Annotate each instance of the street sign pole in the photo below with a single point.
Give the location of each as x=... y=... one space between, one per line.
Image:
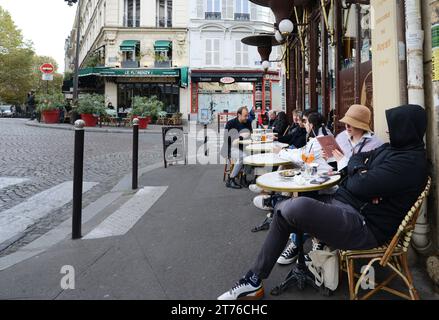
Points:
x=76 y=75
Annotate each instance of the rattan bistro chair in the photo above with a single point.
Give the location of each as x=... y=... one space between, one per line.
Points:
x=393 y=256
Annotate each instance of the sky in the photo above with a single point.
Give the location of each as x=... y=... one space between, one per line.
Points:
x=47 y=23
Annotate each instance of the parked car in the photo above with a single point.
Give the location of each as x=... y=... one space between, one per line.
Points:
x=5 y=111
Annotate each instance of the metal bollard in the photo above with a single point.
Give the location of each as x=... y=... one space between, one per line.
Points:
x=78 y=167
x=219 y=123
x=135 y=152
x=205 y=140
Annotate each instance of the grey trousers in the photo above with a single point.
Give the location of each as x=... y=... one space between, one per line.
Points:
x=335 y=223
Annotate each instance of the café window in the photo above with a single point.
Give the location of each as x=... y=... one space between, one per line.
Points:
x=350 y=36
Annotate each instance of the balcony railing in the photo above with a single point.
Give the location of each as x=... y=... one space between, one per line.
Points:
x=242 y=16
x=131 y=23
x=212 y=15
x=130 y=64
x=163 y=23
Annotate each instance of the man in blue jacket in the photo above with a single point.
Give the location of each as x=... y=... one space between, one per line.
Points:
x=379 y=189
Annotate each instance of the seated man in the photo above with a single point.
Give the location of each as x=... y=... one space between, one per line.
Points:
x=234 y=129
x=271 y=118
x=365 y=212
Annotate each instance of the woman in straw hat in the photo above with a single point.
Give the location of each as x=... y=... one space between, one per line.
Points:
x=358 y=137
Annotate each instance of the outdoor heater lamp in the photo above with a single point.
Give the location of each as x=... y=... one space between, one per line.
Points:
x=71 y=2
x=264 y=42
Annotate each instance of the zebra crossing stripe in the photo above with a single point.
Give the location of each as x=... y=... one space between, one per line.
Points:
x=123 y=219
x=23 y=215
x=7 y=181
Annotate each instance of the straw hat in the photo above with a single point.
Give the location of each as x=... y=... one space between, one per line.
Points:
x=358 y=116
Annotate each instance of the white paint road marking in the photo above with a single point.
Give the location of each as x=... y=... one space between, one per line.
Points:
x=123 y=219
x=59 y=233
x=6 y=181
x=18 y=218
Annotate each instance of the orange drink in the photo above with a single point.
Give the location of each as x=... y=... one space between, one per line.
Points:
x=263 y=138
x=304 y=157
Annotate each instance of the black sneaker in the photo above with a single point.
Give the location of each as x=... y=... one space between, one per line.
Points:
x=316 y=245
x=231 y=183
x=289 y=254
x=248 y=288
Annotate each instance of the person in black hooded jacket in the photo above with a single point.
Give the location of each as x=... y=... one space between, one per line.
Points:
x=379 y=188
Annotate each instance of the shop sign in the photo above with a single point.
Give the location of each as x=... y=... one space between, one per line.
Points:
x=227 y=80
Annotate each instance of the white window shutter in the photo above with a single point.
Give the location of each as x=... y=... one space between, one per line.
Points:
x=245 y=55
x=253 y=11
x=238 y=52
x=216 y=50
x=200 y=9
x=224 y=9
x=208 y=51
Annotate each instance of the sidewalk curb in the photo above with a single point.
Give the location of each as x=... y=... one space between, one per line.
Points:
x=89 y=129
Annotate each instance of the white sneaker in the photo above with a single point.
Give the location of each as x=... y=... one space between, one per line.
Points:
x=243 y=290
x=254 y=188
x=259 y=202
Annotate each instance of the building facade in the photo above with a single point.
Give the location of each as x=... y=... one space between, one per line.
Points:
x=133 y=47
x=178 y=50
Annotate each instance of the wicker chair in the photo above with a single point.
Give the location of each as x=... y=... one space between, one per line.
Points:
x=393 y=256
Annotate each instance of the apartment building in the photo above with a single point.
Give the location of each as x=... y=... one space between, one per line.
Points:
x=225 y=73
x=178 y=50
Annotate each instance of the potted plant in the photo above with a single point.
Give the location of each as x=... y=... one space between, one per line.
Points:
x=90 y=107
x=145 y=108
x=49 y=106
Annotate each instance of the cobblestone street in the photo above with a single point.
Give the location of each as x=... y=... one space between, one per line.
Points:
x=44 y=157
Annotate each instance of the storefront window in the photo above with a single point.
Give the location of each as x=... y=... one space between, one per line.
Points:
x=168 y=93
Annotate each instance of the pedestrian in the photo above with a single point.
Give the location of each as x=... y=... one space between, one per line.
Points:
x=31 y=104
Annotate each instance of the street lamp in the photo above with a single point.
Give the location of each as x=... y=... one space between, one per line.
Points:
x=76 y=72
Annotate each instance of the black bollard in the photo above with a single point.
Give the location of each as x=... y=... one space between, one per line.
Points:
x=78 y=167
x=135 y=152
x=205 y=140
x=219 y=123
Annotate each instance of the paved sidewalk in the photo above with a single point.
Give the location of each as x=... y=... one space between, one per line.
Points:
x=193 y=243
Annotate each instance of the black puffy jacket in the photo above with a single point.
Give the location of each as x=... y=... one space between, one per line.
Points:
x=384 y=183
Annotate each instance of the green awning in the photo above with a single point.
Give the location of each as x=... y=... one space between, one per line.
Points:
x=135 y=72
x=128 y=45
x=184 y=71
x=162 y=45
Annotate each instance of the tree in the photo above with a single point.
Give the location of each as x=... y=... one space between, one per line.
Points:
x=15 y=61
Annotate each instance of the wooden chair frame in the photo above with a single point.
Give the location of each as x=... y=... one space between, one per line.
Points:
x=393 y=256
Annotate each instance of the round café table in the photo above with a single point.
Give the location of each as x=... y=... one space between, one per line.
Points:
x=264 y=147
x=247 y=142
x=299 y=274
x=265 y=160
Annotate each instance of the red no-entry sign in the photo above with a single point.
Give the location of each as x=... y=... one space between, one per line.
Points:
x=47 y=68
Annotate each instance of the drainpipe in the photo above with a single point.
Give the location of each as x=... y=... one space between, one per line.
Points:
x=415 y=86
